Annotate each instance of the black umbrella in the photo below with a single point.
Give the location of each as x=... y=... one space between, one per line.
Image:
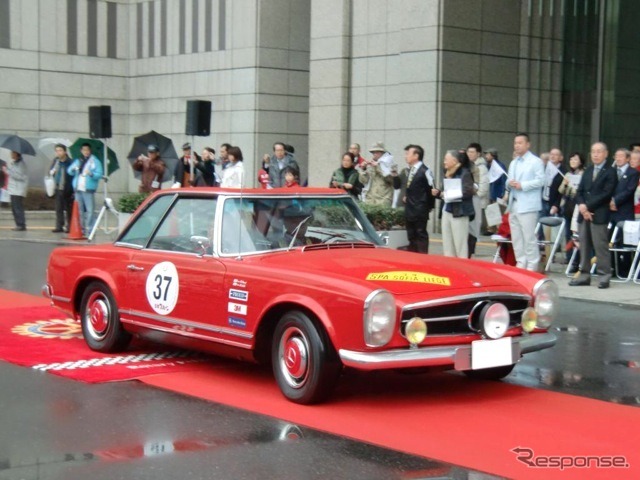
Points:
x=16 y=144
x=165 y=148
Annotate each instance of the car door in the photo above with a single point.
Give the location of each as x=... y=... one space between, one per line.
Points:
x=175 y=283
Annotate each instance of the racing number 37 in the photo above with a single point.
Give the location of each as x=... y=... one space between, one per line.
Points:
x=160 y=281
x=163 y=288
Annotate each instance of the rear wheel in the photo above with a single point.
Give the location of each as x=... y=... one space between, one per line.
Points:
x=495 y=373
x=100 y=320
x=304 y=362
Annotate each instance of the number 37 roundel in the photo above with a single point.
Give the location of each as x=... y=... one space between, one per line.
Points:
x=163 y=288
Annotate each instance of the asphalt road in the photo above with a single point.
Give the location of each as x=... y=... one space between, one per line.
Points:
x=57 y=428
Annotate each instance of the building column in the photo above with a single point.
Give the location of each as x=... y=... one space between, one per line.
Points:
x=328 y=87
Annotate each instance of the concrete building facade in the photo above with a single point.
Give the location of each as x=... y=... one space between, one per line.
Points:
x=320 y=74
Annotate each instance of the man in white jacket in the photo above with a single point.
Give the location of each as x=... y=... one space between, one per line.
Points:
x=17 y=189
x=526 y=179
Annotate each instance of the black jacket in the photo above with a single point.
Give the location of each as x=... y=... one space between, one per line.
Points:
x=68 y=179
x=179 y=170
x=554 y=193
x=207 y=170
x=463 y=208
x=623 y=195
x=596 y=194
x=419 y=198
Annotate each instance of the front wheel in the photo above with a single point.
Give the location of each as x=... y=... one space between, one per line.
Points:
x=101 y=327
x=495 y=373
x=304 y=362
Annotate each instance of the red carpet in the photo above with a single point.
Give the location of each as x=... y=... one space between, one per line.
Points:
x=441 y=416
x=41 y=337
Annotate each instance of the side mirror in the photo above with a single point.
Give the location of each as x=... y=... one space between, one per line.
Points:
x=201 y=242
x=384 y=236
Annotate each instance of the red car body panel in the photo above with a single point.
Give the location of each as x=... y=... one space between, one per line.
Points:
x=331 y=282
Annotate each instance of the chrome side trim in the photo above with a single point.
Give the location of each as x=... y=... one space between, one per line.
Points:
x=462 y=298
x=455 y=355
x=183 y=323
x=60 y=299
x=186 y=334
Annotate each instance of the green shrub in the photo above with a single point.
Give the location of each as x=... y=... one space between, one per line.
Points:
x=383 y=217
x=129 y=202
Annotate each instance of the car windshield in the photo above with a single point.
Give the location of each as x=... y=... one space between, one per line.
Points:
x=257 y=225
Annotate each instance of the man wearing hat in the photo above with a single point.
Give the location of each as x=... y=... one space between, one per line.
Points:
x=152 y=168
x=378 y=173
x=185 y=172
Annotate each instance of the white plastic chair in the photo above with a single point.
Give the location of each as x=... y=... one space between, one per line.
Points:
x=554 y=242
x=618 y=248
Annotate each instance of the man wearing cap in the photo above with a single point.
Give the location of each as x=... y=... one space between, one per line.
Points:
x=152 y=168
x=378 y=173
x=184 y=175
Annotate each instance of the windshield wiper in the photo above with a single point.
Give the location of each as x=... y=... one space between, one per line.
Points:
x=296 y=230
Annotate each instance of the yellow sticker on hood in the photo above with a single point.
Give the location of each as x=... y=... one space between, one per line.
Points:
x=415 y=277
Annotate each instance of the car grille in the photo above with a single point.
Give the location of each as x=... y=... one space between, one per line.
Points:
x=459 y=315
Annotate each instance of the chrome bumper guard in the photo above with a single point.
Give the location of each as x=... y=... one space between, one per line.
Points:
x=457 y=355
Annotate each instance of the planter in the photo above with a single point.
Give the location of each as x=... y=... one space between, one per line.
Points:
x=123 y=219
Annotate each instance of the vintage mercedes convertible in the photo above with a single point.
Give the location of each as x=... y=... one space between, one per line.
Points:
x=298 y=278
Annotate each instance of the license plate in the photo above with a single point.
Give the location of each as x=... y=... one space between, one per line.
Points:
x=491 y=353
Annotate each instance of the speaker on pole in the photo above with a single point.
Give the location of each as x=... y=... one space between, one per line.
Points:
x=100 y=121
x=198 y=118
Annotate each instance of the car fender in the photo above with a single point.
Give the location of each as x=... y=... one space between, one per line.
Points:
x=88 y=276
x=307 y=303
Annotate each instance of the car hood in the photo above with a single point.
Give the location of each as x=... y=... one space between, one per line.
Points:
x=396 y=271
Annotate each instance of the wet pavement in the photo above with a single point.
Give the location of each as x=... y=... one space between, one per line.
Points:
x=57 y=428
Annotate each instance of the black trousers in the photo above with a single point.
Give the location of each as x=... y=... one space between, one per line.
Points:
x=17 y=207
x=64 y=204
x=417 y=235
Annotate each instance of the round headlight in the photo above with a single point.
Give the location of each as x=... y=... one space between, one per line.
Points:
x=379 y=318
x=415 y=330
x=545 y=295
x=494 y=320
x=529 y=319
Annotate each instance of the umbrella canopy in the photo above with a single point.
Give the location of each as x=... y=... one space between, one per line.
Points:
x=97 y=148
x=16 y=144
x=165 y=148
x=48 y=145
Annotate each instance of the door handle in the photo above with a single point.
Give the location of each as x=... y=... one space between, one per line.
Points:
x=134 y=268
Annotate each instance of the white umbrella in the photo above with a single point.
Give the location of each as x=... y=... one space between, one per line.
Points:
x=48 y=145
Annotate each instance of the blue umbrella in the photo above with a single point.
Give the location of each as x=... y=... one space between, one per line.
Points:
x=16 y=144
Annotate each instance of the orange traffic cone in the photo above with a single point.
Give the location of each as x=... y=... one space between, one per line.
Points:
x=75 y=228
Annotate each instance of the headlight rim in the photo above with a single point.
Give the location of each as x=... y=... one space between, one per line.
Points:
x=366 y=311
x=544 y=322
x=483 y=313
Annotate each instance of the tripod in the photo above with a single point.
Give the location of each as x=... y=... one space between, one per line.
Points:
x=107 y=205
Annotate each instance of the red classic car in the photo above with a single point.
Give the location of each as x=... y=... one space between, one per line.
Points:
x=299 y=278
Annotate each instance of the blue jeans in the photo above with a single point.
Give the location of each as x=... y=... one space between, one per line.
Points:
x=86 y=206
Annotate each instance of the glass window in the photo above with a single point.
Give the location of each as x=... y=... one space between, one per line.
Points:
x=140 y=232
x=188 y=217
x=255 y=225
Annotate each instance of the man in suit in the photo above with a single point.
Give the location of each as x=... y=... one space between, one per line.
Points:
x=621 y=205
x=592 y=199
x=418 y=199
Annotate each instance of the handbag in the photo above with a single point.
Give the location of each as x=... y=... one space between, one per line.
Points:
x=50 y=186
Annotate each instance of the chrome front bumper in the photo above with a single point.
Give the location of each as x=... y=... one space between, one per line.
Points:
x=457 y=355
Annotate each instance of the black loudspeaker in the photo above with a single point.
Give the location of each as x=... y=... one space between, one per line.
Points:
x=100 y=121
x=198 y=118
